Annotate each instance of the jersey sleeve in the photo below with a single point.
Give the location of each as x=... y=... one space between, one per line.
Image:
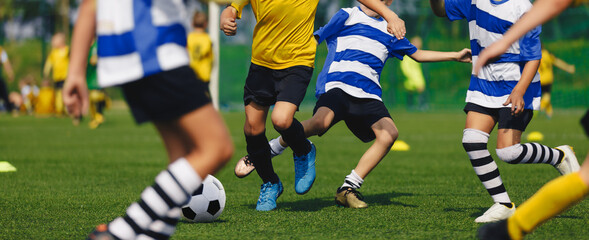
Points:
x=334 y=25
x=401 y=48
x=530 y=46
x=239 y=5
x=457 y=9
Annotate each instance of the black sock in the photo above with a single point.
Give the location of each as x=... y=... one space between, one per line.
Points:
x=296 y=139
x=258 y=150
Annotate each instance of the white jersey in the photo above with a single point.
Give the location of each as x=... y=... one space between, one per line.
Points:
x=358 y=48
x=488 y=20
x=138 y=38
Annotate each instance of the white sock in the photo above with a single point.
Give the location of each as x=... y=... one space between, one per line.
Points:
x=353 y=180
x=275 y=147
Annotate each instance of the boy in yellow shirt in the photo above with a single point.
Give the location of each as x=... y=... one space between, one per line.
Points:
x=200 y=48
x=57 y=64
x=3 y=87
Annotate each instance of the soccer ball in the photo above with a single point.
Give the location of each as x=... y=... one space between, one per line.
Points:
x=207 y=202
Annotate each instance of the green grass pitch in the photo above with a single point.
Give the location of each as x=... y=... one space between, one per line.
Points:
x=70 y=179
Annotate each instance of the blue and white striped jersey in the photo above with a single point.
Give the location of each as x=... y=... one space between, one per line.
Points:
x=358 y=47
x=138 y=38
x=488 y=20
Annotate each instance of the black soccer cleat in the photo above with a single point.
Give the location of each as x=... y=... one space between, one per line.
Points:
x=494 y=231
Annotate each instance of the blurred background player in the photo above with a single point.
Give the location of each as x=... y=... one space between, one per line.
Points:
x=414 y=81
x=560 y=193
x=45 y=104
x=200 y=47
x=344 y=93
x=505 y=94
x=160 y=87
x=29 y=92
x=283 y=55
x=57 y=65
x=3 y=86
x=547 y=78
x=97 y=95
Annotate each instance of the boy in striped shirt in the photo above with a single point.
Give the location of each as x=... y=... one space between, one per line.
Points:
x=348 y=88
x=505 y=93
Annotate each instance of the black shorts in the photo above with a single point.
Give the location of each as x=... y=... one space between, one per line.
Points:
x=58 y=84
x=359 y=114
x=503 y=116
x=546 y=88
x=585 y=122
x=266 y=86
x=166 y=95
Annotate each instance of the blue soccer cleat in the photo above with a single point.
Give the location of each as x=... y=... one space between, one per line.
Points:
x=305 y=171
x=268 y=194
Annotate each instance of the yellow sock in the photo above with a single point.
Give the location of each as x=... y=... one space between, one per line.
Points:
x=552 y=199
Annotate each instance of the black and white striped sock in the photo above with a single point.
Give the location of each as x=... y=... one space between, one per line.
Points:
x=353 y=180
x=475 y=143
x=530 y=153
x=156 y=214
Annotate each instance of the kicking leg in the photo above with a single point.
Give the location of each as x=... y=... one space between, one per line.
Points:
x=202 y=151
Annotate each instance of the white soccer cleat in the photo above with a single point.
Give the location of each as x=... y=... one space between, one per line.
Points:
x=569 y=163
x=496 y=213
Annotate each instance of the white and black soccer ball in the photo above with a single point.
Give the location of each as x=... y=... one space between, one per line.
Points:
x=207 y=202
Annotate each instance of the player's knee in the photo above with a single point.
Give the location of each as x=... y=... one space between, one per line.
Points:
x=388 y=138
x=252 y=128
x=281 y=122
x=473 y=136
x=509 y=154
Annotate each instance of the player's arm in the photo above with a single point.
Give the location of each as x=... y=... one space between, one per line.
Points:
x=396 y=26
x=516 y=98
x=434 y=56
x=47 y=67
x=559 y=63
x=7 y=66
x=229 y=15
x=75 y=90
x=438 y=7
x=542 y=11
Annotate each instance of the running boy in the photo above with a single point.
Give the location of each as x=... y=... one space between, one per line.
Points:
x=283 y=55
x=146 y=54
x=348 y=88
x=505 y=93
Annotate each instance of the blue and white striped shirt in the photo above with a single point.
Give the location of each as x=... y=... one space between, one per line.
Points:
x=138 y=38
x=488 y=20
x=358 y=47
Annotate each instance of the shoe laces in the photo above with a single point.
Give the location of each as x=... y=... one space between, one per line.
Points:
x=247 y=161
x=266 y=191
x=354 y=192
x=300 y=166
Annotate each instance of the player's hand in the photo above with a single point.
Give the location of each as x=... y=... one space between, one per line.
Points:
x=396 y=26
x=75 y=96
x=489 y=54
x=465 y=55
x=227 y=22
x=517 y=102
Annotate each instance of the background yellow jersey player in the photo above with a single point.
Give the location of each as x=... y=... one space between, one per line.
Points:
x=200 y=47
x=547 y=78
x=57 y=64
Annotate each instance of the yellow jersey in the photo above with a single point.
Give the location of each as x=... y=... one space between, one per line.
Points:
x=283 y=35
x=200 y=51
x=546 y=68
x=58 y=62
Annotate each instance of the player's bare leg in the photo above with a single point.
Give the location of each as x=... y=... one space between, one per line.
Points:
x=386 y=133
